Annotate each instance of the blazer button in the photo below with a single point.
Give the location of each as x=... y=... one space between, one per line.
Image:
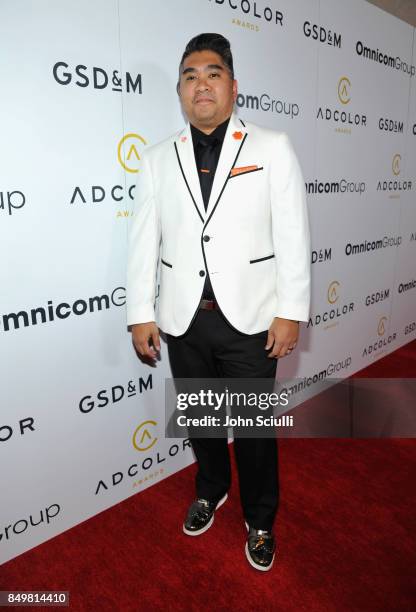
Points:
x=201 y=273
x=206 y=238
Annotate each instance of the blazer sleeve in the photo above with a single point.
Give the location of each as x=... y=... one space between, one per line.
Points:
x=291 y=236
x=143 y=250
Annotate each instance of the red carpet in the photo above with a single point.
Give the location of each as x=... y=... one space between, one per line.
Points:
x=345 y=533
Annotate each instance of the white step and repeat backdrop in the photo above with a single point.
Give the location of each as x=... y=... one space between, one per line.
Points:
x=85 y=88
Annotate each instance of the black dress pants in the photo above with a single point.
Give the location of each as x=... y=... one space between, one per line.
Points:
x=211 y=348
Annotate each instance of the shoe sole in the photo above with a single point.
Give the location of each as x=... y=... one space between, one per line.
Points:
x=208 y=525
x=250 y=560
x=258 y=567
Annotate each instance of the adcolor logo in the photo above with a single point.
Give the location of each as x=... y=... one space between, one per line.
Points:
x=331 y=317
x=128 y=151
x=379 y=345
x=144 y=437
x=394 y=187
x=252 y=8
x=343 y=119
x=344 y=86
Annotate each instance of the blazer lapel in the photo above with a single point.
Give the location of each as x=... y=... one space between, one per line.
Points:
x=233 y=141
x=187 y=167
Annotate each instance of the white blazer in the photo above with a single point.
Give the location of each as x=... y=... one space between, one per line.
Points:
x=253 y=239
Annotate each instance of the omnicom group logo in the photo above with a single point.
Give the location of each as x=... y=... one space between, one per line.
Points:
x=341 y=186
x=44 y=516
x=51 y=312
x=384 y=59
x=372 y=245
x=10 y=201
x=267 y=104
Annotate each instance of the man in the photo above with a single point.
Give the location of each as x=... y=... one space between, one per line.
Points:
x=222 y=205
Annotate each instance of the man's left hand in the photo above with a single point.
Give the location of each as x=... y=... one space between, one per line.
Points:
x=282 y=337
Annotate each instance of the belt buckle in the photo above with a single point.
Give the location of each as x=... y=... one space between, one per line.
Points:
x=208 y=304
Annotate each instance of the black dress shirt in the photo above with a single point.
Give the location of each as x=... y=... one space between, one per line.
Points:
x=207 y=149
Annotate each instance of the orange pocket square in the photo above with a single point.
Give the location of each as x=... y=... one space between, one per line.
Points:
x=235 y=171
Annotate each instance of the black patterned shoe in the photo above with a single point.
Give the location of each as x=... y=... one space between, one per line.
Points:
x=260 y=548
x=201 y=516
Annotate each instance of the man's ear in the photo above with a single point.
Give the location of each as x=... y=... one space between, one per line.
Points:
x=177 y=89
x=235 y=89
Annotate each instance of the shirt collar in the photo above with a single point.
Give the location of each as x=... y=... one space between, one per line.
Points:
x=217 y=134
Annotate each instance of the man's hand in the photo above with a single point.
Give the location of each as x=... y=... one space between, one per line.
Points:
x=283 y=336
x=141 y=334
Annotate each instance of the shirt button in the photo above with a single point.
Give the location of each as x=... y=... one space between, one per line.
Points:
x=201 y=273
x=206 y=238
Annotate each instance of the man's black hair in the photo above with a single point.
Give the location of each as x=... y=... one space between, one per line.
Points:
x=210 y=42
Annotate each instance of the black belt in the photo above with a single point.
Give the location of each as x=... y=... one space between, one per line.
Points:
x=208 y=305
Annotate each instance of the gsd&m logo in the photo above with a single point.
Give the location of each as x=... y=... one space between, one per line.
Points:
x=322 y=255
x=113 y=395
x=410 y=328
x=377 y=297
x=331 y=316
x=381 y=342
x=129 y=151
x=342 y=118
x=390 y=125
x=151 y=463
x=97 y=78
x=324 y=35
x=394 y=186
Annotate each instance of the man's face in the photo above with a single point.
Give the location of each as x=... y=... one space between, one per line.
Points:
x=206 y=90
